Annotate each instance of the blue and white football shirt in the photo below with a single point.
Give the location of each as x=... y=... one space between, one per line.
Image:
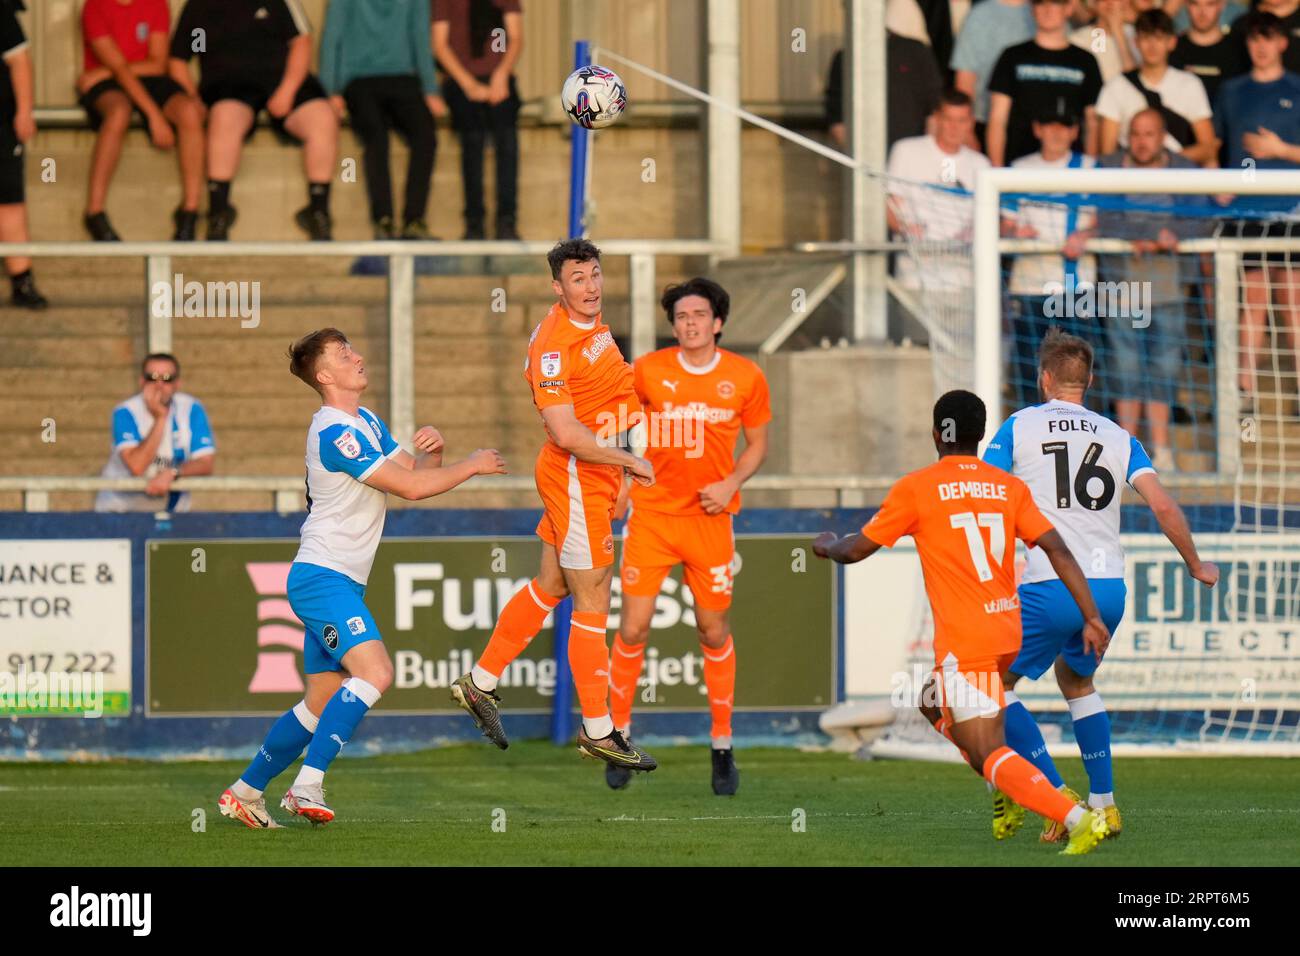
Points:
x=189 y=437
x=1072 y=459
x=345 y=516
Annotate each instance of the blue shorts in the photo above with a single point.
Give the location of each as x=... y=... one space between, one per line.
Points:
x=334 y=617
x=1053 y=624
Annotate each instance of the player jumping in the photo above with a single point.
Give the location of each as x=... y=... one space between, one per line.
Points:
x=1071 y=458
x=352 y=462
x=964 y=516
x=582 y=387
x=698 y=398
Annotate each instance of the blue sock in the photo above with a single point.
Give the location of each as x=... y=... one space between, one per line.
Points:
x=1024 y=737
x=338 y=721
x=1092 y=733
x=282 y=746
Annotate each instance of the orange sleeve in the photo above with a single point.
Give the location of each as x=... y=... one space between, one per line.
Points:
x=758 y=404
x=897 y=516
x=1030 y=522
x=638 y=380
x=550 y=365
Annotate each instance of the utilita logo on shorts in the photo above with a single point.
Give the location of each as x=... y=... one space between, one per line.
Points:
x=277 y=625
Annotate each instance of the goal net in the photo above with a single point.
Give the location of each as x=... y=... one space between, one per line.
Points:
x=1190 y=306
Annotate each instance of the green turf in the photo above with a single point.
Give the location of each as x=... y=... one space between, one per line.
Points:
x=438 y=807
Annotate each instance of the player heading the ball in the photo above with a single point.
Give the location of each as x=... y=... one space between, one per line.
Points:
x=352 y=464
x=579 y=381
x=964 y=516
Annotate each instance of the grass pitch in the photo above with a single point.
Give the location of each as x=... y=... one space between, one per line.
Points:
x=440 y=807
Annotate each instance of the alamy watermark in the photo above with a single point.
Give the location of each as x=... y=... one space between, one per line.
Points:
x=58 y=692
x=1073 y=299
x=207 y=300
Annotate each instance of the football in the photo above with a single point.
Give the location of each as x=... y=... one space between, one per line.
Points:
x=594 y=97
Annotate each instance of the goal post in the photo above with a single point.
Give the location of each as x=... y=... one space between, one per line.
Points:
x=1191 y=670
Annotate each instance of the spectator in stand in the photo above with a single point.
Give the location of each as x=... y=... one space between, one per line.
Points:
x=1041 y=282
x=989 y=28
x=376 y=59
x=125 y=71
x=1110 y=37
x=1176 y=94
x=1258 y=116
x=255 y=55
x=1145 y=349
x=1045 y=74
x=935 y=214
x=160 y=433
x=1288 y=12
x=1206 y=49
x=477 y=44
x=17 y=127
x=913 y=87
x=1229 y=10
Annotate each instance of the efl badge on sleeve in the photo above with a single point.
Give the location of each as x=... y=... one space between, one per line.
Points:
x=550 y=364
x=348 y=445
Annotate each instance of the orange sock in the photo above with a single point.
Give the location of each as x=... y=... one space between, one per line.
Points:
x=1024 y=783
x=624 y=668
x=589 y=662
x=518 y=624
x=720 y=680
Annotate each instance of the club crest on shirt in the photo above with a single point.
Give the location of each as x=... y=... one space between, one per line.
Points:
x=348 y=445
x=550 y=364
x=726 y=389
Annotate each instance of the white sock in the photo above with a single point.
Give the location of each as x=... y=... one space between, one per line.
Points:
x=244 y=792
x=482 y=679
x=1075 y=815
x=721 y=743
x=598 y=727
x=309 y=777
x=1100 y=800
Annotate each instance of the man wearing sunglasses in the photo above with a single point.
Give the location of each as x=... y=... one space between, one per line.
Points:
x=160 y=433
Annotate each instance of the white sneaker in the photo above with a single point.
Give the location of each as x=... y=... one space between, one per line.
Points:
x=309 y=802
x=251 y=813
x=1164 y=461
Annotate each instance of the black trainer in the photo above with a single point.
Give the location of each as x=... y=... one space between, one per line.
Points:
x=384 y=228
x=506 y=230
x=187 y=225
x=482 y=706
x=26 y=295
x=726 y=778
x=315 y=222
x=100 y=229
x=219 y=223
x=474 y=231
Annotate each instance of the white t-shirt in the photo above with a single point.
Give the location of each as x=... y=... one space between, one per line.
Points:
x=1031 y=274
x=1179 y=90
x=1074 y=462
x=1099 y=43
x=345 y=516
x=944 y=211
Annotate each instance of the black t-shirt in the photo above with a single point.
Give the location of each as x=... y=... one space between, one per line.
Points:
x=1213 y=64
x=1035 y=78
x=914 y=86
x=11 y=40
x=244 y=40
x=1290 y=26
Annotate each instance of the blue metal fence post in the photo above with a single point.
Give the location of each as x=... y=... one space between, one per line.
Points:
x=561 y=710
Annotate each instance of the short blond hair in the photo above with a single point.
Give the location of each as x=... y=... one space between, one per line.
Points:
x=1067 y=357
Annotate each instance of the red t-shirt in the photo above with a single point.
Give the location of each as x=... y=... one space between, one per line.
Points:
x=129 y=24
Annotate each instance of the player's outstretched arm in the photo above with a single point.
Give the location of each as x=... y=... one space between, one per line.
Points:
x=415 y=484
x=1173 y=523
x=849 y=549
x=1096 y=636
x=580 y=442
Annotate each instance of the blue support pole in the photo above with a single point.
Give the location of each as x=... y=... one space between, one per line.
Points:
x=562 y=706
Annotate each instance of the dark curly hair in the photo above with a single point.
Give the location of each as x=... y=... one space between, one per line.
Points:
x=716 y=295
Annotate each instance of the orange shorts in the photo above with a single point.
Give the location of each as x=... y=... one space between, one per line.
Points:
x=578 y=500
x=972 y=686
x=654 y=543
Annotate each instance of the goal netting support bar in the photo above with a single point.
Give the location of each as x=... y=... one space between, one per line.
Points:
x=1191 y=300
